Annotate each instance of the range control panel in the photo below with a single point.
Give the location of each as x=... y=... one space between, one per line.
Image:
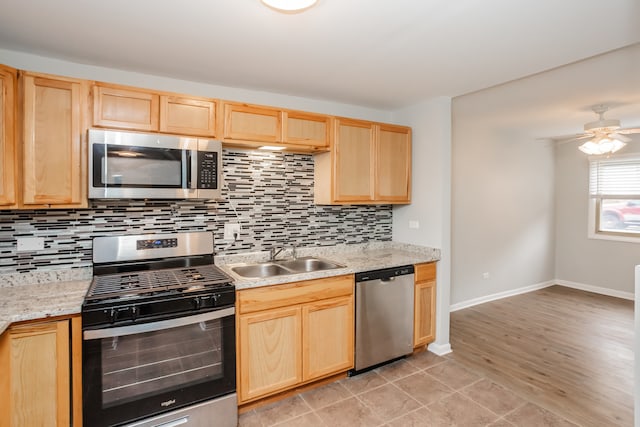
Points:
x=156 y=243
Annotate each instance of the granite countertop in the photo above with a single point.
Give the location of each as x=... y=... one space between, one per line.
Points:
x=355 y=258
x=38 y=295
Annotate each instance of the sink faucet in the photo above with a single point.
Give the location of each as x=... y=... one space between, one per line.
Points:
x=274 y=251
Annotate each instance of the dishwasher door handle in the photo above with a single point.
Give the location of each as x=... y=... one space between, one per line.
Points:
x=388 y=279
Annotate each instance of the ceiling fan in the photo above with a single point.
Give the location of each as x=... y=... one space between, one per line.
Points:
x=604 y=136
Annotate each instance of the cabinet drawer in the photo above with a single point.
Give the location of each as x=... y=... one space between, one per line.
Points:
x=425 y=272
x=266 y=297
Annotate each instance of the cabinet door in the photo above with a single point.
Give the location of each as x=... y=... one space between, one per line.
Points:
x=270 y=346
x=327 y=337
x=354 y=166
x=35 y=375
x=251 y=123
x=7 y=136
x=424 y=304
x=309 y=130
x=125 y=108
x=393 y=164
x=187 y=116
x=53 y=154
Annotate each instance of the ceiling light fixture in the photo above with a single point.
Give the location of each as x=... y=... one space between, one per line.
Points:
x=601 y=145
x=290 y=6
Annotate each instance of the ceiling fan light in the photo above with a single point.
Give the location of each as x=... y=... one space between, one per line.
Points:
x=590 y=148
x=290 y=6
x=617 y=144
x=600 y=145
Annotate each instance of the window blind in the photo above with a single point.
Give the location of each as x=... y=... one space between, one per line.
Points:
x=615 y=177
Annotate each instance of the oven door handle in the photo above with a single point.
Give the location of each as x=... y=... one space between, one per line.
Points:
x=120 y=331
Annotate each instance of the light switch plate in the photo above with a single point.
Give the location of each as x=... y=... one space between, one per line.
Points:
x=24 y=244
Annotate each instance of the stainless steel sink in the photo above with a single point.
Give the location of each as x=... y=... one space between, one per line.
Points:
x=308 y=264
x=283 y=267
x=260 y=270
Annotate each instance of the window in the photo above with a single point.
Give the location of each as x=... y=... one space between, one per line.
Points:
x=614 y=190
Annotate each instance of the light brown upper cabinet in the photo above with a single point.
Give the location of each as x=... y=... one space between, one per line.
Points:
x=393 y=164
x=252 y=126
x=148 y=111
x=125 y=108
x=8 y=79
x=370 y=163
x=187 y=116
x=307 y=130
x=53 y=141
x=251 y=123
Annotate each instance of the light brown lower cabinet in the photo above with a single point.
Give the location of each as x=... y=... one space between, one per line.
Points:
x=424 y=329
x=38 y=375
x=270 y=347
x=293 y=334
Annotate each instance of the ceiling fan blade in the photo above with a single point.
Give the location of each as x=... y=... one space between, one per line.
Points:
x=628 y=131
x=619 y=137
x=569 y=138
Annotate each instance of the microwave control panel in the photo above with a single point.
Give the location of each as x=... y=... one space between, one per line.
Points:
x=207 y=170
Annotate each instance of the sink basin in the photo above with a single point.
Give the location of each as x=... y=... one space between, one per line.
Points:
x=260 y=270
x=283 y=267
x=308 y=264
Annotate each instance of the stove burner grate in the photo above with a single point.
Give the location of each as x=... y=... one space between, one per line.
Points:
x=129 y=285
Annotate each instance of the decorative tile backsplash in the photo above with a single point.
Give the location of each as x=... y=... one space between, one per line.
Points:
x=269 y=193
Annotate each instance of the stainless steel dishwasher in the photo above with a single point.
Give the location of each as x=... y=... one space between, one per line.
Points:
x=384 y=316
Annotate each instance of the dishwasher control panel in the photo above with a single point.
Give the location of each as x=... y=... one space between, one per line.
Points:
x=384 y=273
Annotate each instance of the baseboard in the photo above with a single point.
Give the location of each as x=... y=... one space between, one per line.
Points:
x=500 y=295
x=439 y=349
x=596 y=289
x=524 y=290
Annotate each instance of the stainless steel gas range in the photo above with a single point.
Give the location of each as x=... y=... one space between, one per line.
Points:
x=158 y=327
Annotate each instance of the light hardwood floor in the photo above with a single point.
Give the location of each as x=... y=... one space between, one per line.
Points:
x=568 y=351
x=551 y=358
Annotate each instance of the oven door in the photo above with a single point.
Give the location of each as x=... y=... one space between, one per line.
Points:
x=134 y=372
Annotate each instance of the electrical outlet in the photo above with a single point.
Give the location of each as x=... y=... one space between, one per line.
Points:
x=414 y=224
x=24 y=244
x=486 y=275
x=231 y=229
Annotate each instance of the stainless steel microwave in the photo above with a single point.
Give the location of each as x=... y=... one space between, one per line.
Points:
x=130 y=165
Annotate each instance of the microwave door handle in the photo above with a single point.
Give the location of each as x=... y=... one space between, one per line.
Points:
x=120 y=331
x=192 y=169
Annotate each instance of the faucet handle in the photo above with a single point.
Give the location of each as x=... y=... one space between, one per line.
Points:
x=294 y=255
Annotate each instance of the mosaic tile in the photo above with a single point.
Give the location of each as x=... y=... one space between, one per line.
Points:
x=269 y=194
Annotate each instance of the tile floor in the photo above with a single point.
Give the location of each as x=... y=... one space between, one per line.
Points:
x=422 y=390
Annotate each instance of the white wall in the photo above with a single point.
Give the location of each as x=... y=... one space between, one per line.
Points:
x=505 y=175
x=430 y=198
x=592 y=262
x=503 y=212
x=42 y=64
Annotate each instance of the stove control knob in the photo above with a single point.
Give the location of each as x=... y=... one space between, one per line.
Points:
x=197 y=303
x=134 y=312
x=112 y=314
x=215 y=298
